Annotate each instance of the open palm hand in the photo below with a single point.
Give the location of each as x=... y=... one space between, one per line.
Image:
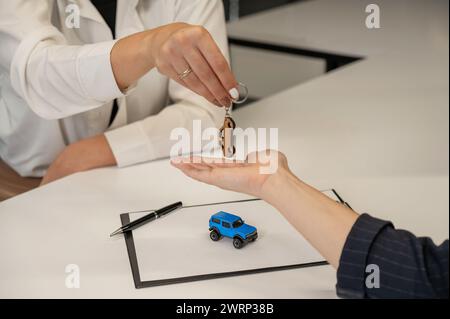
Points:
x=247 y=176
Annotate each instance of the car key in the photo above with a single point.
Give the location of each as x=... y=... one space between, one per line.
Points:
x=226 y=131
x=226 y=134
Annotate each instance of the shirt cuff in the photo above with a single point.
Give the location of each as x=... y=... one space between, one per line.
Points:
x=351 y=274
x=130 y=145
x=95 y=72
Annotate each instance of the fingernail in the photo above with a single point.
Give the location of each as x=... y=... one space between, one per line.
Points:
x=234 y=93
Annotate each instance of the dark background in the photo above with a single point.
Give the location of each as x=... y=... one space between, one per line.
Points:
x=247 y=7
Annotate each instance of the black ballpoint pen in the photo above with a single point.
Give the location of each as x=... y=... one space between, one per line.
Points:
x=147 y=218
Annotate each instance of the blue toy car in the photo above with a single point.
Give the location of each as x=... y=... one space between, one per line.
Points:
x=224 y=224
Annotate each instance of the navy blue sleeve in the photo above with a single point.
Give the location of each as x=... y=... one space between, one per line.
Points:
x=379 y=261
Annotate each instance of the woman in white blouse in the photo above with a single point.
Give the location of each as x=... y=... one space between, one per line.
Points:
x=61 y=71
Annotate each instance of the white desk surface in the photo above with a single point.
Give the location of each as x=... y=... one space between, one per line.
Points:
x=339 y=26
x=376 y=130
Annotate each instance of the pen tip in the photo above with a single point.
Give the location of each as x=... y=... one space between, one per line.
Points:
x=114 y=233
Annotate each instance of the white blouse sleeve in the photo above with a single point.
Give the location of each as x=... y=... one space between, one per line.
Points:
x=55 y=79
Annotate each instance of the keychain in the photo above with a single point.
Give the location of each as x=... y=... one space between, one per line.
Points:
x=226 y=131
x=226 y=134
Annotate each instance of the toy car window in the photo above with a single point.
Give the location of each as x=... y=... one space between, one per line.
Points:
x=215 y=220
x=238 y=223
x=225 y=224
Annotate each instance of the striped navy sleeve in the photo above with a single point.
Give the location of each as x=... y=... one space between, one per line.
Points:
x=379 y=261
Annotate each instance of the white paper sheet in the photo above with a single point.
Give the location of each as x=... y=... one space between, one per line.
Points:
x=178 y=244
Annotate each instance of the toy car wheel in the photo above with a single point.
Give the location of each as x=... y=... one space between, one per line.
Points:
x=238 y=243
x=214 y=235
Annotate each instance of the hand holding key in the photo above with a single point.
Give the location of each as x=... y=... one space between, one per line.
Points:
x=185 y=53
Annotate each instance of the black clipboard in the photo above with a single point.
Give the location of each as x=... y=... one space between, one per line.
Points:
x=138 y=283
